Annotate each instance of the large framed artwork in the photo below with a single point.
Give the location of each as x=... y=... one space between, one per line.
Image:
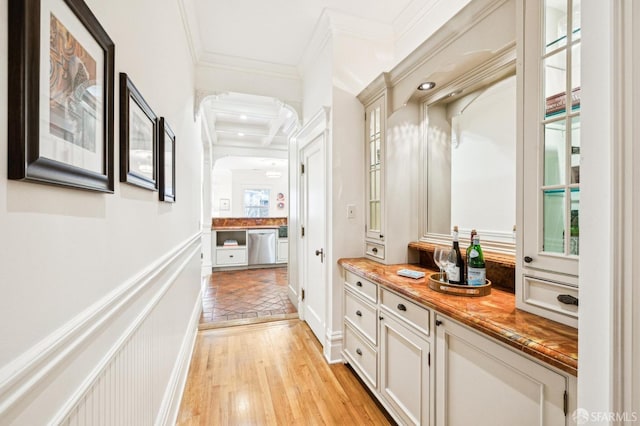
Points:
x=138 y=138
x=60 y=95
x=167 y=164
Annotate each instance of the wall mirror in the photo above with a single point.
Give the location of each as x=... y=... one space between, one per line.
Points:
x=470 y=173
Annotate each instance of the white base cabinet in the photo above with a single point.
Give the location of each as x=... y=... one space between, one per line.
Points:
x=404 y=370
x=427 y=369
x=480 y=382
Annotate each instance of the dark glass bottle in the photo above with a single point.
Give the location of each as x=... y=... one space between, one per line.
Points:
x=456 y=263
x=466 y=272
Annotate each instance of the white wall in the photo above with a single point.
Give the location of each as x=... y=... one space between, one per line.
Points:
x=66 y=253
x=250 y=179
x=221 y=188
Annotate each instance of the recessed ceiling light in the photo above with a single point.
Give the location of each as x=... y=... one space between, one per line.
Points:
x=243 y=117
x=427 y=85
x=240 y=134
x=454 y=93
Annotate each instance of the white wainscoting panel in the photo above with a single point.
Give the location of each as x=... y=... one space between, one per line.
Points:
x=124 y=361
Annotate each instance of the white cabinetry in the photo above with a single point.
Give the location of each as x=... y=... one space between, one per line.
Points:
x=426 y=368
x=391 y=155
x=549 y=159
x=404 y=369
x=282 y=250
x=480 y=382
x=229 y=248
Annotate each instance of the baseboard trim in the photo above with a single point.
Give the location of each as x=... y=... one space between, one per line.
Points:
x=28 y=371
x=333 y=347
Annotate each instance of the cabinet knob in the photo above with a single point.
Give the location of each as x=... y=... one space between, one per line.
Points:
x=438 y=322
x=358 y=313
x=381 y=236
x=230 y=255
x=374 y=250
x=528 y=259
x=359 y=284
x=401 y=307
x=380 y=318
x=359 y=352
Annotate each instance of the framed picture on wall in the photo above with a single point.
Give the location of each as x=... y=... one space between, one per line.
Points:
x=138 y=138
x=167 y=164
x=60 y=95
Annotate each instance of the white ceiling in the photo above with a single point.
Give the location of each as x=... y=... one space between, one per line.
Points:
x=276 y=31
x=251 y=163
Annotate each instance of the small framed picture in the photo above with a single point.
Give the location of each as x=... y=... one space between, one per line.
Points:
x=138 y=138
x=224 y=204
x=167 y=163
x=60 y=99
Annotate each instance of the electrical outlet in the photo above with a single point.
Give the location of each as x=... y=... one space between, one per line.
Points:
x=351 y=211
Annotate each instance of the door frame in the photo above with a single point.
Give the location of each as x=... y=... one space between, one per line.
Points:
x=317 y=126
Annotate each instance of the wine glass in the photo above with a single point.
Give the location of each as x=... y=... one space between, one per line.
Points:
x=437 y=252
x=445 y=259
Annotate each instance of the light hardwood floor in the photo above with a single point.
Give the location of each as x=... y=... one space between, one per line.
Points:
x=271 y=374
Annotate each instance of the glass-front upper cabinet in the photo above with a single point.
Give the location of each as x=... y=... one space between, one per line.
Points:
x=549 y=158
x=374 y=168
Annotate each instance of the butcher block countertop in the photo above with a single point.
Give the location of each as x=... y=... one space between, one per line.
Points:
x=494 y=315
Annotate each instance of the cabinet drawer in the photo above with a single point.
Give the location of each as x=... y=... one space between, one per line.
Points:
x=364 y=287
x=237 y=256
x=544 y=294
x=362 y=316
x=412 y=313
x=362 y=355
x=374 y=250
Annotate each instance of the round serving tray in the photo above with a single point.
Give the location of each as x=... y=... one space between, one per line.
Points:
x=436 y=284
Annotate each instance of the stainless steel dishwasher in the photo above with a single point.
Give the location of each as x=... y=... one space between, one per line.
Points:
x=262 y=246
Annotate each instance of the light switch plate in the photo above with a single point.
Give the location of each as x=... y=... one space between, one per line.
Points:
x=351 y=211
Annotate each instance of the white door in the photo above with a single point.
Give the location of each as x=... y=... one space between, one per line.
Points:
x=313 y=242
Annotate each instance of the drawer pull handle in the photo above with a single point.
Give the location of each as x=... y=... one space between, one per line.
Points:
x=230 y=255
x=438 y=322
x=401 y=307
x=359 y=284
x=567 y=299
x=359 y=352
x=374 y=250
x=528 y=259
x=358 y=313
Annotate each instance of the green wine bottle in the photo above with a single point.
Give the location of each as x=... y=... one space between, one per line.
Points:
x=466 y=272
x=476 y=269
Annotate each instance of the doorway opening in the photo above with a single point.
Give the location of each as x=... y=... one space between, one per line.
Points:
x=247 y=199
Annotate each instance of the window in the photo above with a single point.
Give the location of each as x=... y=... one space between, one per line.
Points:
x=256 y=202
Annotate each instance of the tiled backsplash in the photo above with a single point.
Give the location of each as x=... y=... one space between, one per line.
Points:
x=501 y=268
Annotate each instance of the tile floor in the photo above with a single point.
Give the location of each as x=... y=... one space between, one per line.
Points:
x=246 y=294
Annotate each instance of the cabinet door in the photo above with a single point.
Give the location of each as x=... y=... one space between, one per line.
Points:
x=404 y=371
x=551 y=135
x=374 y=168
x=479 y=382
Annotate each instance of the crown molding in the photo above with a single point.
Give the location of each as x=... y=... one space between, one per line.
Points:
x=246 y=65
x=191 y=29
x=331 y=23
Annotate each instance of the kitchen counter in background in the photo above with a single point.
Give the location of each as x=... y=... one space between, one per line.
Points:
x=247 y=222
x=494 y=315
